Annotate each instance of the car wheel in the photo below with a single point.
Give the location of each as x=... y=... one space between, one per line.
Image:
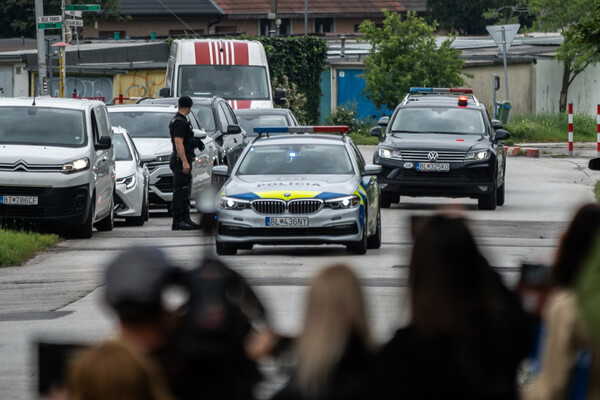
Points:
x=146 y=211
x=169 y=210
x=487 y=201
x=374 y=242
x=83 y=231
x=386 y=199
x=500 y=195
x=359 y=247
x=107 y=223
x=225 y=249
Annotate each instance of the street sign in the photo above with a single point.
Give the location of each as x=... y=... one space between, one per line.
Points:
x=49 y=18
x=49 y=25
x=72 y=13
x=82 y=7
x=510 y=31
x=74 y=22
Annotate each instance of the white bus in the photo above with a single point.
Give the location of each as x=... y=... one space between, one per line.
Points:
x=236 y=70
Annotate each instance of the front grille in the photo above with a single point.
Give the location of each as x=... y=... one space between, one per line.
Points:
x=153 y=165
x=52 y=202
x=297 y=206
x=22 y=166
x=119 y=203
x=165 y=184
x=23 y=191
x=423 y=155
x=340 y=230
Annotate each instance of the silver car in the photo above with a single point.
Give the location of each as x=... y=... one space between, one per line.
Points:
x=299 y=189
x=148 y=126
x=132 y=182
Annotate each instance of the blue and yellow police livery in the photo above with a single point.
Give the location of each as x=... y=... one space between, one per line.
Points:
x=299 y=189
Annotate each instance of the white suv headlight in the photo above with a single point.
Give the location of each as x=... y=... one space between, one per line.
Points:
x=477 y=155
x=128 y=181
x=389 y=153
x=343 y=202
x=231 y=203
x=76 y=166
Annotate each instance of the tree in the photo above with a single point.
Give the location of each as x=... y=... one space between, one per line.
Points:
x=587 y=31
x=460 y=16
x=563 y=16
x=17 y=17
x=404 y=54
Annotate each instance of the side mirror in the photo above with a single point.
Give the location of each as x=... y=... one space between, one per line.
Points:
x=199 y=133
x=497 y=124
x=372 y=169
x=501 y=135
x=594 y=164
x=104 y=143
x=220 y=170
x=280 y=98
x=233 y=129
x=165 y=92
x=376 y=131
x=383 y=121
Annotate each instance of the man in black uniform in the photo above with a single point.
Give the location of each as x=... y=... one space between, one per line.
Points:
x=182 y=138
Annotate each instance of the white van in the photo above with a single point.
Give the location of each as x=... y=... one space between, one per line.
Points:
x=236 y=70
x=57 y=164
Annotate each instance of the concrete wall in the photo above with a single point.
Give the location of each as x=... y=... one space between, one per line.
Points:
x=584 y=92
x=521 y=85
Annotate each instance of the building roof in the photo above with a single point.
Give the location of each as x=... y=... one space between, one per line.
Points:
x=295 y=8
x=169 y=7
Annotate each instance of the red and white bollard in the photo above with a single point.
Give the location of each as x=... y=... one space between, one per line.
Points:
x=598 y=130
x=570 y=129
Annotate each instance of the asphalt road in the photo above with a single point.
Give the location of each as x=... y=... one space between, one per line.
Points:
x=57 y=295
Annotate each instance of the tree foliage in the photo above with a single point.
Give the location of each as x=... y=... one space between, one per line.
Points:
x=586 y=32
x=17 y=17
x=404 y=53
x=564 y=16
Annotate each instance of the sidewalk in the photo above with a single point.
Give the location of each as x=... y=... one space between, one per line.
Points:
x=580 y=150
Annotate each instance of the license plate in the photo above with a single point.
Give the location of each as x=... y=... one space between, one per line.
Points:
x=433 y=167
x=19 y=200
x=286 y=222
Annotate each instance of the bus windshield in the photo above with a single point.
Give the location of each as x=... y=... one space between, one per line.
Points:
x=231 y=82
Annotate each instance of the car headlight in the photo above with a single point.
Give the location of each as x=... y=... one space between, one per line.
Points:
x=477 y=155
x=343 y=202
x=164 y=159
x=128 y=181
x=231 y=203
x=75 y=166
x=389 y=153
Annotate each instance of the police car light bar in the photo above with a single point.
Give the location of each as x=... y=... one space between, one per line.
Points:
x=441 y=90
x=302 y=129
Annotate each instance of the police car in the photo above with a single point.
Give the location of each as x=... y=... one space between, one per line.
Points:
x=441 y=142
x=299 y=189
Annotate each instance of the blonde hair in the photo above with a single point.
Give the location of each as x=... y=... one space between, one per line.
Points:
x=335 y=312
x=112 y=370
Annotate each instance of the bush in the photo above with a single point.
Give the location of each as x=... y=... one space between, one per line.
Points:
x=346 y=115
x=544 y=128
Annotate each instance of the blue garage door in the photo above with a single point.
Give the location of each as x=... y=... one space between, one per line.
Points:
x=349 y=91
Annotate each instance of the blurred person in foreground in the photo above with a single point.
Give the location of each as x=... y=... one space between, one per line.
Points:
x=113 y=370
x=468 y=333
x=335 y=346
x=565 y=332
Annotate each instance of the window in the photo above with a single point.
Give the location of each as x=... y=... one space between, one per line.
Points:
x=285 y=27
x=324 y=25
x=111 y=34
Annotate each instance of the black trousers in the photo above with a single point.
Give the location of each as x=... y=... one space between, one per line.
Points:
x=182 y=187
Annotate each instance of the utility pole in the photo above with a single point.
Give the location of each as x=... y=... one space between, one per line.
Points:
x=272 y=18
x=41 y=49
x=305 y=17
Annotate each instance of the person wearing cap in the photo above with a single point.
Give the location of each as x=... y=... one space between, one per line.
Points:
x=182 y=138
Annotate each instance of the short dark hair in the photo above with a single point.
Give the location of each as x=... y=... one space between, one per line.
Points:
x=185 y=102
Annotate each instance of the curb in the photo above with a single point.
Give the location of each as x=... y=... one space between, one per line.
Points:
x=520 y=151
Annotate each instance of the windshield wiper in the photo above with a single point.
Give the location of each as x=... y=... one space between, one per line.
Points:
x=404 y=131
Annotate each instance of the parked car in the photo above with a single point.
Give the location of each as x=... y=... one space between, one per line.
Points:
x=57 y=164
x=216 y=116
x=295 y=189
x=148 y=127
x=250 y=118
x=133 y=180
x=441 y=142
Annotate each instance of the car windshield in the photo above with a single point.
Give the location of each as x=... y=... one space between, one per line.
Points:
x=296 y=159
x=239 y=82
x=439 y=120
x=205 y=116
x=42 y=126
x=251 y=121
x=143 y=124
x=122 y=152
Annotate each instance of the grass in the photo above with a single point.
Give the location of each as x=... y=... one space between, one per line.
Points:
x=16 y=247
x=597 y=191
x=548 y=128
x=361 y=139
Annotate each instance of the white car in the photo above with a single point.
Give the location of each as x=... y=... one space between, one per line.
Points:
x=131 y=195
